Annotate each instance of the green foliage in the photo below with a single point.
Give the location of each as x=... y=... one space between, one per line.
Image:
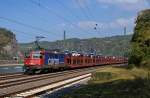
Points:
x=102 y=76
x=136 y=55
x=4 y=56
x=146 y=62
x=140 y=54
x=139 y=87
x=5 y=38
x=130 y=66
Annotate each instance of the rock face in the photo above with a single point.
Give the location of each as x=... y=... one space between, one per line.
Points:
x=12 y=46
x=8 y=44
x=140 y=54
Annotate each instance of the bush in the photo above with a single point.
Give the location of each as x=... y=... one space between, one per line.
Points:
x=146 y=62
x=130 y=66
x=136 y=55
x=102 y=76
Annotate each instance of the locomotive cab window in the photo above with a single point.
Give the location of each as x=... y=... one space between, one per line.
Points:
x=37 y=56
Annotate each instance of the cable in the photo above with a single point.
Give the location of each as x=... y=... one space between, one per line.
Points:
x=58 y=15
x=22 y=32
x=89 y=11
x=25 y=25
x=39 y=17
x=31 y=14
x=67 y=8
x=83 y=10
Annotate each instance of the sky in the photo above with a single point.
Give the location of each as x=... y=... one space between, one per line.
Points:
x=79 y=18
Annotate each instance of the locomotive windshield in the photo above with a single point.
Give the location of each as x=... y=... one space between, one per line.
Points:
x=36 y=55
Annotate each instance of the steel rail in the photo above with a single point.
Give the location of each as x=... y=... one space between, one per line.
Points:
x=11 y=76
x=42 y=82
x=11 y=82
x=29 y=85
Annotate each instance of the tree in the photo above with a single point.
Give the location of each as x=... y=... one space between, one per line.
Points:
x=140 y=53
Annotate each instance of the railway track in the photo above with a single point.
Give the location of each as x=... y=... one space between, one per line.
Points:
x=7 y=76
x=12 y=82
x=12 y=86
x=18 y=84
x=11 y=76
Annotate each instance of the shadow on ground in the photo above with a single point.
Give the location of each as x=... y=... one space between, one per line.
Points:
x=137 y=88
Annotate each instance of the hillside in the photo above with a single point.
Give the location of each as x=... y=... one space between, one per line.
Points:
x=116 y=45
x=8 y=44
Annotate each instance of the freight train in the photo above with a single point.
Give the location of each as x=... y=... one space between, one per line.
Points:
x=39 y=61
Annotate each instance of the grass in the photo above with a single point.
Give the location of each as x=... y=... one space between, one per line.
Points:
x=115 y=82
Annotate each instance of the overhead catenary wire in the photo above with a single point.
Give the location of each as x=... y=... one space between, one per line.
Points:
x=24 y=33
x=32 y=14
x=68 y=9
x=33 y=27
x=89 y=11
x=57 y=14
x=92 y=16
x=71 y=12
x=29 y=12
x=44 y=20
x=83 y=10
x=27 y=25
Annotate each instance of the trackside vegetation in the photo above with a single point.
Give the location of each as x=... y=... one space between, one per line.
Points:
x=115 y=82
x=140 y=50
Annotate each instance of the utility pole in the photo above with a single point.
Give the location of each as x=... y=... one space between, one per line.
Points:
x=64 y=39
x=125 y=30
x=38 y=38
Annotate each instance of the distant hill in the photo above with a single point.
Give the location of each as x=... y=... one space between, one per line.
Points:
x=116 y=45
x=8 y=44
